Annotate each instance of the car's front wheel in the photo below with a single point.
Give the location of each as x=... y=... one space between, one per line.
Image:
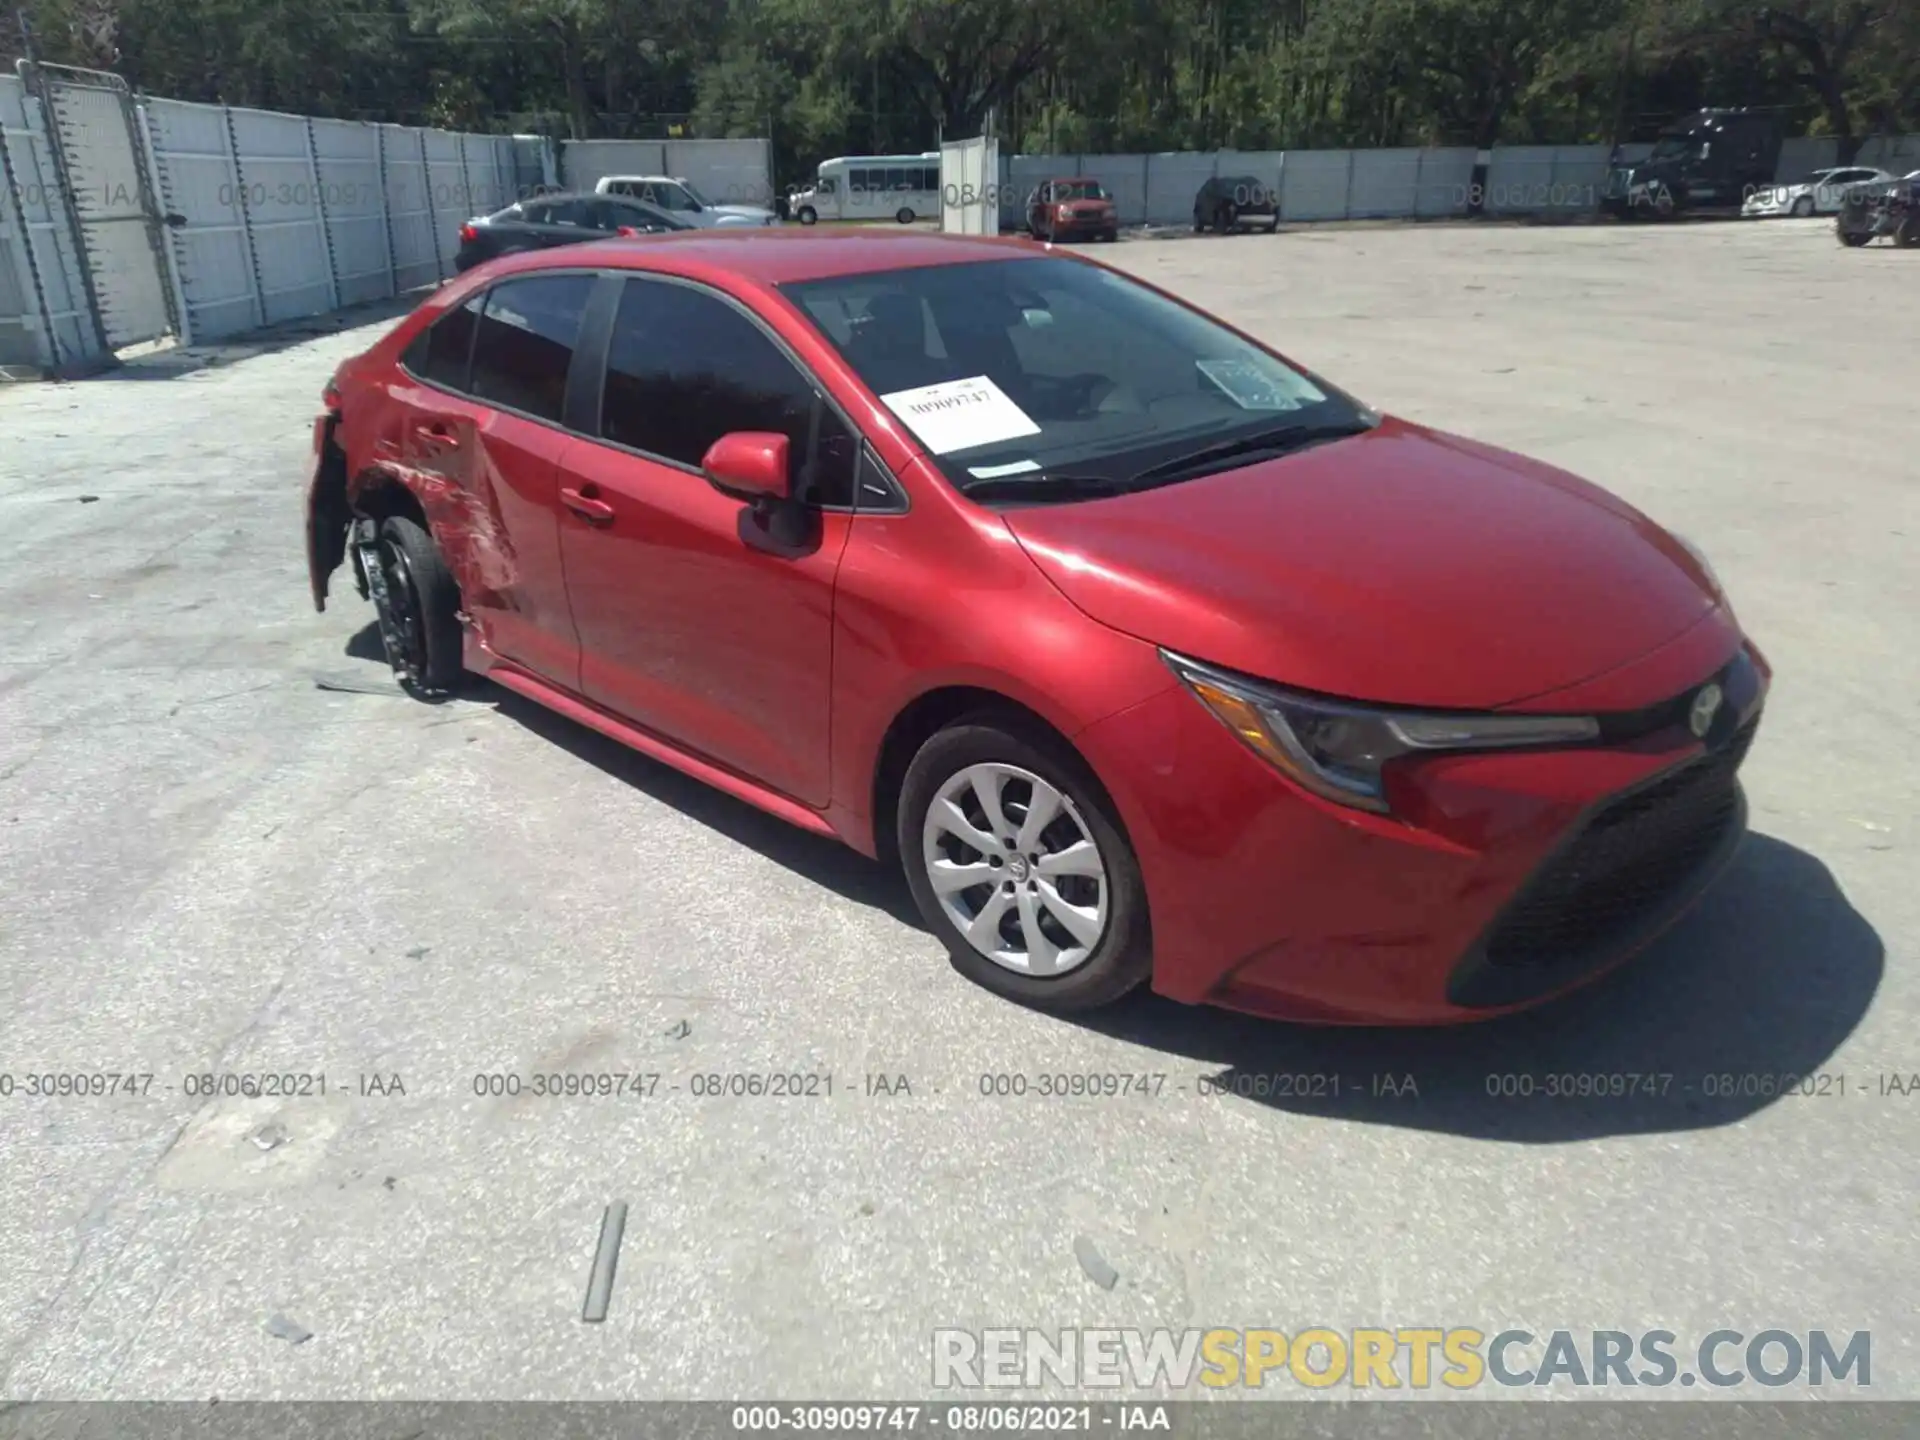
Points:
x=1019 y=864
x=808 y=215
x=1803 y=207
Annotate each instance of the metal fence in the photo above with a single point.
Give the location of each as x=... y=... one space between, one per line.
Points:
x=46 y=316
x=726 y=172
x=968 y=202
x=273 y=217
x=1159 y=189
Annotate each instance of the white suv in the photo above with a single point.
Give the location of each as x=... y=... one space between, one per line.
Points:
x=678 y=197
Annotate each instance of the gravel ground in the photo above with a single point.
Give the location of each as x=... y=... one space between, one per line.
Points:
x=210 y=864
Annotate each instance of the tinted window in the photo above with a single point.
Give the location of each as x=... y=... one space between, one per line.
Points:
x=440 y=353
x=897 y=179
x=1095 y=374
x=684 y=368
x=571 y=212
x=526 y=342
x=930 y=179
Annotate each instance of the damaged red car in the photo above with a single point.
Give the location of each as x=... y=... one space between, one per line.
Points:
x=1150 y=656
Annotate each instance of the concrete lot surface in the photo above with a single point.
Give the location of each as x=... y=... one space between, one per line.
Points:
x=211 y=865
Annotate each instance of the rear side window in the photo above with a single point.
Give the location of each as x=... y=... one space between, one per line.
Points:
x=526 y=342
x=440 y=352
x=684 y=368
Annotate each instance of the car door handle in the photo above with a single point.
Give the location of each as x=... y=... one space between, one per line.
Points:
x=587 y=508
x=435 y=438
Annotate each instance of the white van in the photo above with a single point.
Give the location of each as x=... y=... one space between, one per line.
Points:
x=872 y=187
x=678 y=197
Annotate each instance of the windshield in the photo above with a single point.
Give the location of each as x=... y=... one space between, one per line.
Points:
x=1079 y=190
x=1051 y=366
x=1675 y=147
x=695 y=195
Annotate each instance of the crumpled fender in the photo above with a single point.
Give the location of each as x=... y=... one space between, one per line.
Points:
x=465 y=525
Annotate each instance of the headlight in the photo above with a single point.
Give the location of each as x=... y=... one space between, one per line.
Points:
x=1339 y=751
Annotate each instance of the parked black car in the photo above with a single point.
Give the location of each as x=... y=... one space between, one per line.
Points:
x=1227 y=202
x=1890 y=208
x=548 y=220
x=1710 y=161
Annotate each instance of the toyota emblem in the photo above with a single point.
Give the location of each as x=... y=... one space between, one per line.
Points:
x=1706 y=705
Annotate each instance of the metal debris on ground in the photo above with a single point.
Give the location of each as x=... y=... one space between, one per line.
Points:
x=1094 y=1263
x=606 y=1257
x=356 y=685
x=88 y=499
x=291 y=1331
x=419 y=950
x=680 y=1031
x=271 y=1136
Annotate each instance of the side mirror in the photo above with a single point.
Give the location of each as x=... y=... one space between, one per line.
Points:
x=749 y=465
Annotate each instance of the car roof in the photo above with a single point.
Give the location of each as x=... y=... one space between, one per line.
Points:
x=778 y=256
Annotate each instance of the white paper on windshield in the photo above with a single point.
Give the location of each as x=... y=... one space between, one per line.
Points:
x=994 y=472
x=960 y=414
x=1251 y=388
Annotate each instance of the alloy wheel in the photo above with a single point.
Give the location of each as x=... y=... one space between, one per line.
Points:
x=1016 y=869
x=403 y=631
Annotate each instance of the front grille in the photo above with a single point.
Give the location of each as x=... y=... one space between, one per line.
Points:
x=1632 y=855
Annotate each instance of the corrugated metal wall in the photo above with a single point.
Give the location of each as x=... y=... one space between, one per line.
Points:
x=282 y=216
x=46 y=317
x=727 y=172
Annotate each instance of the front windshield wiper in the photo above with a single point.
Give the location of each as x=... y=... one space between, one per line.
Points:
x=1279 y=440
x=1041 y=487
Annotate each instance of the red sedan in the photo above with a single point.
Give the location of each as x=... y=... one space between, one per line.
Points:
x=1149 y=655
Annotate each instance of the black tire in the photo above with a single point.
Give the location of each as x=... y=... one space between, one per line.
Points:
x=1199 y=221
x=426 y=608
x=903 y=215
x=1274 y=228
x=1122 y=958
x=1229 y=218
x=1803 y=207
x=1853 y=239
x=808 y=215
x=1907 y=237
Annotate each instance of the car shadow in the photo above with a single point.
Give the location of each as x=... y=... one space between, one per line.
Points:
x=165 y=361
x=825 y=862
x=1740 y=1006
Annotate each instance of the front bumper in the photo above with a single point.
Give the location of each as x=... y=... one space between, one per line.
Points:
x=1084 y=229
x=1503 y=879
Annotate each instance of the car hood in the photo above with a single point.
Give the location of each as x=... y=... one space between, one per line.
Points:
x=1403 y=566
x=742 y=212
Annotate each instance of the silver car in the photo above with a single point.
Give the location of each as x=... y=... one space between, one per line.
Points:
x=1821 y=193
x=677 y=196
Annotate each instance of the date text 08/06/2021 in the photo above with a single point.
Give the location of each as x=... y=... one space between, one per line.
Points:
x=964 y=1419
